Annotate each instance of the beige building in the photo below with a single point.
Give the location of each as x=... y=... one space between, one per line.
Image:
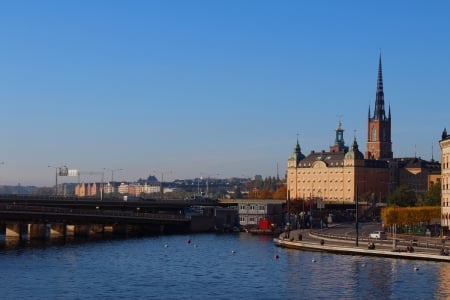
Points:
x=445 y=176
x=341 y=176
x=338 y=176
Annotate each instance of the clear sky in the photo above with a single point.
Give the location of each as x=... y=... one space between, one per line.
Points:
x=212 y=88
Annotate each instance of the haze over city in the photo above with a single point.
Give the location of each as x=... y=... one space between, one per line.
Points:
x=212 y=88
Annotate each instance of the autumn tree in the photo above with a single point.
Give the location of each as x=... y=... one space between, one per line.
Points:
x=281 y=192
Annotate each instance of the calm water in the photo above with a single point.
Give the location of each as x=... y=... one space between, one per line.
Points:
x=211 y=266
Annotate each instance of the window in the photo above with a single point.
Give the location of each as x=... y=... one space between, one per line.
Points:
x=374 y=134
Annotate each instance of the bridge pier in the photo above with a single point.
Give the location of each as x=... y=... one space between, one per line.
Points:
x=120 y=229
x=96 y=229
x=70 y=230
x=15 y=230
x=57 y=230
x=82 y=230
x=37 y=231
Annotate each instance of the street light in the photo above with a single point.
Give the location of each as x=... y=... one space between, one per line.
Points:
x=56 y=179
x=207 y=182
x=112 y=173
x=356 y=216
x=161 y=187
x=112 y=178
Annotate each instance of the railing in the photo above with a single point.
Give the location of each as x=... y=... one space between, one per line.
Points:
x=427 y=243
x=88 y=212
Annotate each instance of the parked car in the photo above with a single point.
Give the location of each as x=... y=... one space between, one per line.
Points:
x=379 y=235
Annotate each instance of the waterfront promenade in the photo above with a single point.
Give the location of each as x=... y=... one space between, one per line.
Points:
x=341 y=239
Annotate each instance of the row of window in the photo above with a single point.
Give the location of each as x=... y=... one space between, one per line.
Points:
x=320 y=172
x=320 y=180
x=252 y=207
x=332 y=164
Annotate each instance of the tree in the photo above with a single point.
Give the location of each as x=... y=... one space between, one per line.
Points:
x=281 y=192
x=432 y=197
x=409 y=215
x=402 y=196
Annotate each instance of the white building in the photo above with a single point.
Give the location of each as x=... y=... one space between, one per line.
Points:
x=251 y=211
x=445 y=175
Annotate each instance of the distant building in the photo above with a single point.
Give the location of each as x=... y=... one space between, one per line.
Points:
x=445 y=178
x=252 y=211
x=417 y=173
x=87 y=189
x=123 y=188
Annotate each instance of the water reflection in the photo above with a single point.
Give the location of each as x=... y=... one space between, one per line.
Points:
x=238 y=266
x=443 y=283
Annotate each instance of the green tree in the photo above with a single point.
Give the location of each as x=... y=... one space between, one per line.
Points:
x=432 y=197
x=402 y=196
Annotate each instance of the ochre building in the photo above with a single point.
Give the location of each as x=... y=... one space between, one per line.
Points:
x=445 y=176
x=342 y=175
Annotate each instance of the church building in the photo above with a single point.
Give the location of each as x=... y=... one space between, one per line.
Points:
x=342 y=175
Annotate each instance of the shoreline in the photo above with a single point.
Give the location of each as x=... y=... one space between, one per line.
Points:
x=336 y=246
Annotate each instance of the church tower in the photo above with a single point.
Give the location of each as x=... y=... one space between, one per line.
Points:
x=379 y=145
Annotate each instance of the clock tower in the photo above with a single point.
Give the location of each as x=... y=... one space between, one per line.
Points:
x=379 y=145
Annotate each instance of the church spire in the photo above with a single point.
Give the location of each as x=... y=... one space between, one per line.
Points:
x=379 y=113
x=379 y=145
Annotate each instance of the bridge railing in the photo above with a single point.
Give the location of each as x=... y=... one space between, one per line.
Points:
x=85 y=212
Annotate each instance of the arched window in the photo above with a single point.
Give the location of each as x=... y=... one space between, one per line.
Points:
x=374 y=134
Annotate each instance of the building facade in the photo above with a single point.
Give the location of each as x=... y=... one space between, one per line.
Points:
x=445 y=175
x=340 y=175
x=252 y=211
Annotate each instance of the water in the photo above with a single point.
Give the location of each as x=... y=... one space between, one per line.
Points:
x=211 y=266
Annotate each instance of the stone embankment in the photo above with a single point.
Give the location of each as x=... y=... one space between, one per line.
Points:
x=329 y=241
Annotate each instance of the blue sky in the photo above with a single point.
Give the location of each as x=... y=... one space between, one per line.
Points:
x=211 y=88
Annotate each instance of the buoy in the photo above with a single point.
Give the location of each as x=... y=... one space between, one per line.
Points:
x=276 y=256
x=233 y=252
x=188 y=241
x=165 y=245
x=416 y=269
x=313 y=260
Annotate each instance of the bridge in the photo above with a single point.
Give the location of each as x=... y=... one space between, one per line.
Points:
x=41 y=217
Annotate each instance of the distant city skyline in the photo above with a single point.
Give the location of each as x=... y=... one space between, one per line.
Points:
x=184 y=89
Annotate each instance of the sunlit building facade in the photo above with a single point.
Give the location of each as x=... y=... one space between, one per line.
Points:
x=445 y=175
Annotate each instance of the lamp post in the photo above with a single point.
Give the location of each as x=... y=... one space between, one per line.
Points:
x=102 y=187
x=112 y=173
x=319 y=203
x=161 y=186
x=356 y=216
x=208 y=178
x=56 y=179
x=112 y=178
